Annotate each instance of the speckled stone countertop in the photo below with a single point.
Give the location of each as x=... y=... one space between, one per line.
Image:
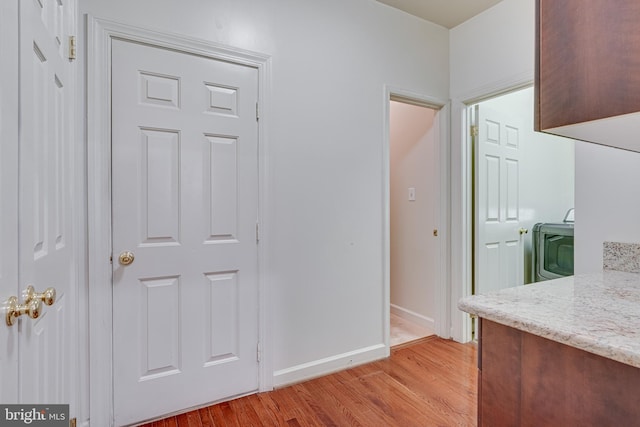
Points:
x=598 y=313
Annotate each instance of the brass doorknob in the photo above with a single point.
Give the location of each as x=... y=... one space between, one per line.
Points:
x=48 y=296
x=523 y=231
x=126 y=258
x=32 y=305
x=14 y=310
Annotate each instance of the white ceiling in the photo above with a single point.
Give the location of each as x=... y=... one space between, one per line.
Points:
x=447 y=13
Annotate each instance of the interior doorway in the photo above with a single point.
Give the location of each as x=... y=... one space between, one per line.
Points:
x=520 y=178
x=414 y=184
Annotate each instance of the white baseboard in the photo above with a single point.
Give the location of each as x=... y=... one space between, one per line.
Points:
x=328 y=365
x=414 y=317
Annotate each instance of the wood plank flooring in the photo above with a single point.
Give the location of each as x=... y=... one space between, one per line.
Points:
x=431 y=383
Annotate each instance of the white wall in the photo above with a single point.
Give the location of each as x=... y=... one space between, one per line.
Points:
x=324 y=229
x=493 y=49
x=414 y=249
x=607 y=202
x=547 y=170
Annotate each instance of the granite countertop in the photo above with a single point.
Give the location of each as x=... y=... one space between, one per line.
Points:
x=598 y=313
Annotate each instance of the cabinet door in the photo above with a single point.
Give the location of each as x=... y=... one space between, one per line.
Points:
x=587 y=58
x=531 y=381
x=499 y=383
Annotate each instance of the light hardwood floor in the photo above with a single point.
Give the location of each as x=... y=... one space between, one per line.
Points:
x=431 y=383
x=404 y=331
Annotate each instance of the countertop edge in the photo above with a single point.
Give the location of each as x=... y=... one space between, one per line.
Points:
x=474 y=305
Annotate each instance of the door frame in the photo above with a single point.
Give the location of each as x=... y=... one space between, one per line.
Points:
x=100 y=32
x=443 y=288
x=462 y=195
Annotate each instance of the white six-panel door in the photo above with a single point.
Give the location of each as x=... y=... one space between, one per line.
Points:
x=46 y=184
x=499 y=247
x=36 y=186
x=185 y=204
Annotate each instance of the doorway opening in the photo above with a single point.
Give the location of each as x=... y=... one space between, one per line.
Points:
x=414 y=183
x=521 y=179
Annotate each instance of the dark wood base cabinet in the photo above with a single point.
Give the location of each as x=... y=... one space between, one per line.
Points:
x=526 y=380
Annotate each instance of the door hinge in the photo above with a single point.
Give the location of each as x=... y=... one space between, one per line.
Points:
x=258 y=352
x=257 y=232
x=474 y=130
x=72 y=48
x=257 y=111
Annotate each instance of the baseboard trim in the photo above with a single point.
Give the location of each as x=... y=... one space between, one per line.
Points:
x=329 y=365
x=414 y=317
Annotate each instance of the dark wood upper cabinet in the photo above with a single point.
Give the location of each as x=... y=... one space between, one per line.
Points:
x=587 y=79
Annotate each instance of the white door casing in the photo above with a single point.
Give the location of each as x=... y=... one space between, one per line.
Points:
x=185 y=202
x=416 y=162
x=442 y=156
x=499 y=244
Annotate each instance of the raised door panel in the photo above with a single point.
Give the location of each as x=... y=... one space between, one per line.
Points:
x=159 y=193
x=221 y=188
x=160 y=327
x=222 y=323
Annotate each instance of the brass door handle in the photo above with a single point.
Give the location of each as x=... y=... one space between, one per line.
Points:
x=32 y=305
x=15 y=310
x=126 y=258
x=523 y=231
x=48 y=296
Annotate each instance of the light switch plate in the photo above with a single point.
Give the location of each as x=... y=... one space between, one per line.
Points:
x=412 y=194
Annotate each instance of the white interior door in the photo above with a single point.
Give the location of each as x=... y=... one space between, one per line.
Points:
x=9 y=138
x=499 y=243
x=46 y=184
x=36 y=186
x=185 y=203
